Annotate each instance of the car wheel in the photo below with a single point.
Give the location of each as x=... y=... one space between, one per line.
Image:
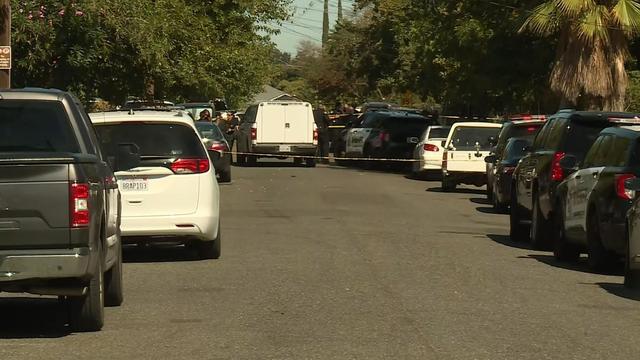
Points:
x=251 y=160
x=210 y=249
x=241 y=159
x=310 y=162
x=562 y=249
x=113 y=293
x=448 y=185
x=297 y=161
x=490 y=195
x=86 y=313
x=538 y=230
x=631 y=276
x=498 y=207
x=225 y=175
x=517 y=231
x=599 y=259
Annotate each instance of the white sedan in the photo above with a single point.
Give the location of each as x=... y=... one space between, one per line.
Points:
x=428 y=152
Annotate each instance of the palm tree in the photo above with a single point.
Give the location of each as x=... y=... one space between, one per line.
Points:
x=589 y=70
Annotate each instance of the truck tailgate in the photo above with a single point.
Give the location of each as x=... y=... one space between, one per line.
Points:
x=34 y=205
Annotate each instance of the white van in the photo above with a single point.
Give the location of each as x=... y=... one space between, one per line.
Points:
x=281 y=128
x=466 y=147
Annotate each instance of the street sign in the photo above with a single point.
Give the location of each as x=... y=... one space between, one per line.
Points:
x=5 y=57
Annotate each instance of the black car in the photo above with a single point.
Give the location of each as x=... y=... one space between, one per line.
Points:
x=526 y=129
x=632 y=255
x=503 y=168
x=535 y=180
x=217 y=147
x=592 y=202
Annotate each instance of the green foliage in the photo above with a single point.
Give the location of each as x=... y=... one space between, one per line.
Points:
x=187 y=49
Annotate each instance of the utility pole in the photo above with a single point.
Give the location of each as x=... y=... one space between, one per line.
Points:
x=325 y=23
x=5 y=40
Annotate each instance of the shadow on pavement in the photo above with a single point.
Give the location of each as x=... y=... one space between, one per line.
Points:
x=154 y=253
x=25 y=318
x=272 y=164
x=580 y=265
x=457 y=191
x=428 y=176
x=506 y=241
x=621 y=291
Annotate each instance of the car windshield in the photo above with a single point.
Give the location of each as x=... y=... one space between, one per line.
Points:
x=153 y=140
x=466 y=137
x=35 y=126
x=209 y=131
x=439 y=133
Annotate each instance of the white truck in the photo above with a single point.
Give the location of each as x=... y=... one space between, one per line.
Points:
x=279 y=129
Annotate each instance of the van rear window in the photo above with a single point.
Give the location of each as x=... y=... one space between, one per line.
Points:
x=154 y=140
x=35 y=126
x=466 y=137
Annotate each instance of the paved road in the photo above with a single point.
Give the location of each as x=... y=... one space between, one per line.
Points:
x=333 y=263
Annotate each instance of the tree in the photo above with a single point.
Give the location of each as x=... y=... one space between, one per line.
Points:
x=589 y=69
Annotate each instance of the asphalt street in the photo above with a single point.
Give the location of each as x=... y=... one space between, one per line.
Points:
x=336 y=263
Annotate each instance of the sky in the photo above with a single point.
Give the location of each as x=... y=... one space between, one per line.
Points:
x=306 y=23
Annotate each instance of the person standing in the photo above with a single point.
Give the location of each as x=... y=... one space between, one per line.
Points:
x=322 y=123
x=229 y=128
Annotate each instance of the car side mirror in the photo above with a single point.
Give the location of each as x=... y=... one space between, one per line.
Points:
x=632 y=184
x=569 y=163
x=127 y=157
x=491 y=159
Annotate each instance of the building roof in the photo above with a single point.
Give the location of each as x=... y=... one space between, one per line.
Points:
x=269 y=93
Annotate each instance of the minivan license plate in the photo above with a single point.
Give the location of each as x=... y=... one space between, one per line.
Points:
x=285 y=148
x=134 y=185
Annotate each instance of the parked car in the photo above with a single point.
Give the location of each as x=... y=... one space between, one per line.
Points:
x=171 y=193
x=538 y=174
x=503 y=168
x=428 y=151
x=278 y=128
x=386 y=134
x=522 y=127
x=60 y=206
x=466 y=147
x=632 y=254
x=592 y=202
x=339 y=143
x=217 y=147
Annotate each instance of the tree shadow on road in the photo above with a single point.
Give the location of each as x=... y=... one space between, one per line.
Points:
x=156 y=253
x=506 y=241
x=621 y=291
x=580 y=266
x=272 y=164
x=457 y=191
x=26 y=318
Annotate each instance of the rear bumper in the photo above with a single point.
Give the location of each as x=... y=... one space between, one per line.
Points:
x=203 y=227
x=295 y=149
x=466 y=177
x=17 y=265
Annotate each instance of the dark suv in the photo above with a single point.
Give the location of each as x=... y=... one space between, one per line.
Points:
x=539 y=173
x=592 y=202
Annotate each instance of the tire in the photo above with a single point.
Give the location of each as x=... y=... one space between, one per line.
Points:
x=251 y=160
x=113 y=289
x=241 y=160
x=631 y=276
x=538 y=232
x=297 y=161
x=517 y=231
x=210 y=249
x=498 y=207
x=448 y=185
x=562 y=249
x=86 y=313
x=225 y=176
x=599 y=259
x=310 y=163
x=490 y=195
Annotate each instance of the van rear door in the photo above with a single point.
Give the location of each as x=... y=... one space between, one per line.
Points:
x=298 y=127
x=271 y=122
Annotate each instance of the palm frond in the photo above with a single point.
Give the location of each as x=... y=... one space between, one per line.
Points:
x=594 y=24
x=574 y=7
x=543 y=19
x=626 y=14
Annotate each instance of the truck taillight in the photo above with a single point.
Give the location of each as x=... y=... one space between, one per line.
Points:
x=190 y=166
x=218 y=146
x=79 y=205
x=557 y=174
x=254 y=134
x=621 y=191
x=315 y=136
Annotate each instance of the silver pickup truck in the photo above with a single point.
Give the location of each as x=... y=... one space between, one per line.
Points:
x=59 y=206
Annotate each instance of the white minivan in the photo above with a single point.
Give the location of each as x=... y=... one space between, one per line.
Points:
x=466 y=147
x=280 y=129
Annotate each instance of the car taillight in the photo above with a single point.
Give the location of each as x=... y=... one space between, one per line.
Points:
x=315 y=136
x=430 y=147
x=621 y=191
x=79 y=205
x=254 y=134
x=557 y=174
x=385 y=136
x=444 y=160
x=190 y=166
x=218 y=147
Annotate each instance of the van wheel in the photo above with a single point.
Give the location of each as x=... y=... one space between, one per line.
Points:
x=297 y=161
x=310 y=162
x=210 y=249
x=251 y=160
x=86 y=313
x=114 y=294
x=517 y=231
x=562 y=249
x=599 y=259
x=225 y=176
x=538 y=230
x=631 y=276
